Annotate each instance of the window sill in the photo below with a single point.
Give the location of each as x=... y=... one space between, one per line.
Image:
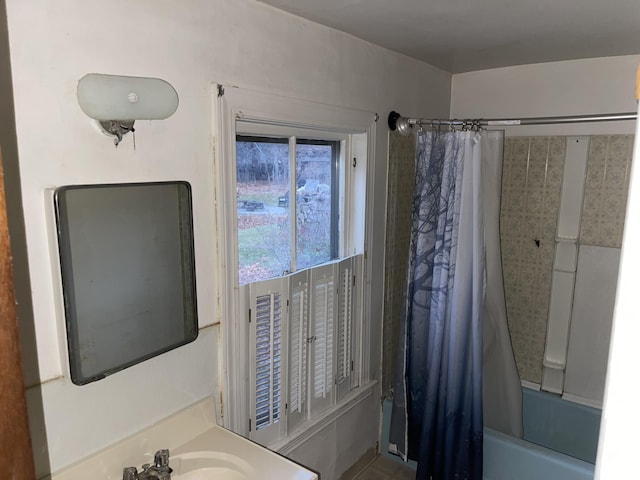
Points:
x=304 y=433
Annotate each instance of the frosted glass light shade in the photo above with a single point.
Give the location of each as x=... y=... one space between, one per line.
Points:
x=115 y=97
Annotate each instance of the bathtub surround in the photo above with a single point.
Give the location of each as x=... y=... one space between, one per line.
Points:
x=593 y=303
x=601 y=229
x=531 y=206
x=606 y=190
x=531 y=187
x=563 y=276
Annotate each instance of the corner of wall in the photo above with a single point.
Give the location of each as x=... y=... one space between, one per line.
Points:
x=15 y=218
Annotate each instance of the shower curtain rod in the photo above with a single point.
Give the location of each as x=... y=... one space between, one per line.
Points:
x=404 y=124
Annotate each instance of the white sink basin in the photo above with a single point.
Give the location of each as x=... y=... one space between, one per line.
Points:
x=210 y=466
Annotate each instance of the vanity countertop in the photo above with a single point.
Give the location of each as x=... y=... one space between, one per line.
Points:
x=195 y=440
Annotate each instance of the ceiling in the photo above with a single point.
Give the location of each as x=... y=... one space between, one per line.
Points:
x=465 y=35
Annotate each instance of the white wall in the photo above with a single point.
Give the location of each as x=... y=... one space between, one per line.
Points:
x=577 y=87
x=191 y=44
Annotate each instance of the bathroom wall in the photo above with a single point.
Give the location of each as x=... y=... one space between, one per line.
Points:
x=190 y=44
x=575 y=87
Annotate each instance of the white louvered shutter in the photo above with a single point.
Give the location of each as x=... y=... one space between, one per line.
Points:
x=297 y=353
x=268 y=309
x=344 y=331
x=322 y=313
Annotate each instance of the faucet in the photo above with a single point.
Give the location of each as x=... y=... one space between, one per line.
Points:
x=160 y=469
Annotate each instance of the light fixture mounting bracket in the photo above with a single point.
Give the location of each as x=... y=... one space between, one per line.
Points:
x=116 y=128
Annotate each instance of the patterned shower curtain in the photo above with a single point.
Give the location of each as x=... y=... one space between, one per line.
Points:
x=437 y=405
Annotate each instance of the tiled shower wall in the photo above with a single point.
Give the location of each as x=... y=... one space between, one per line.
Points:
x=402 y=153
x=532 y=179
x=531 y=187
x=606 y=188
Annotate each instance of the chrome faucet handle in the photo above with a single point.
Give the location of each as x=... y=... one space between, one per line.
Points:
x=130 y=473
x=161 y=459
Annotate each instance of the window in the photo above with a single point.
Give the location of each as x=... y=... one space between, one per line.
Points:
x=290 y=192
x=279 y=231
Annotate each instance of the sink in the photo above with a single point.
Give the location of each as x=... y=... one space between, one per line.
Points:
x=210 y=466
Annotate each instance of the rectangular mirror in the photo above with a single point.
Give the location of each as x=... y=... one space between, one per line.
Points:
x=128 y=273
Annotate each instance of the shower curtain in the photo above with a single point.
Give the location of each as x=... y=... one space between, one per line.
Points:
x=437 y=415
x=501 y=390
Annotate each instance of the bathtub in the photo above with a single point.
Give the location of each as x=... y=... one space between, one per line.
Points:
x=560 y=425
x=509 y=458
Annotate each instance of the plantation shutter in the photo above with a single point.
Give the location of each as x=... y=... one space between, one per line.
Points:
x=298 y=340
x=267 y=315
x=344 y=342
x=322 y=305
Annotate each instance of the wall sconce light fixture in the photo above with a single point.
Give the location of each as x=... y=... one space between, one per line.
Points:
x=116 y=102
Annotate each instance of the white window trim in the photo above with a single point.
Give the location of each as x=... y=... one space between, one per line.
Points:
x=229 y=105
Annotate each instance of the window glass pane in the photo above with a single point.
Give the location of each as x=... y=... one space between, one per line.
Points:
x=315 y=198
x=262 y=168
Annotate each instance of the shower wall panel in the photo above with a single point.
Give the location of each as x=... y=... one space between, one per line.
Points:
x=607 y=184
x=402 y=153
x=531 y=188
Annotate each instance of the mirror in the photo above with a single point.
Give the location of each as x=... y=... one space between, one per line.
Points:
x=128 y=273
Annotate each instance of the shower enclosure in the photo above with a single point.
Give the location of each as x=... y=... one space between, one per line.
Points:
x=537 y=193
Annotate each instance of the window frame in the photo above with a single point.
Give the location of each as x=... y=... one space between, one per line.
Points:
x=233 y=107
